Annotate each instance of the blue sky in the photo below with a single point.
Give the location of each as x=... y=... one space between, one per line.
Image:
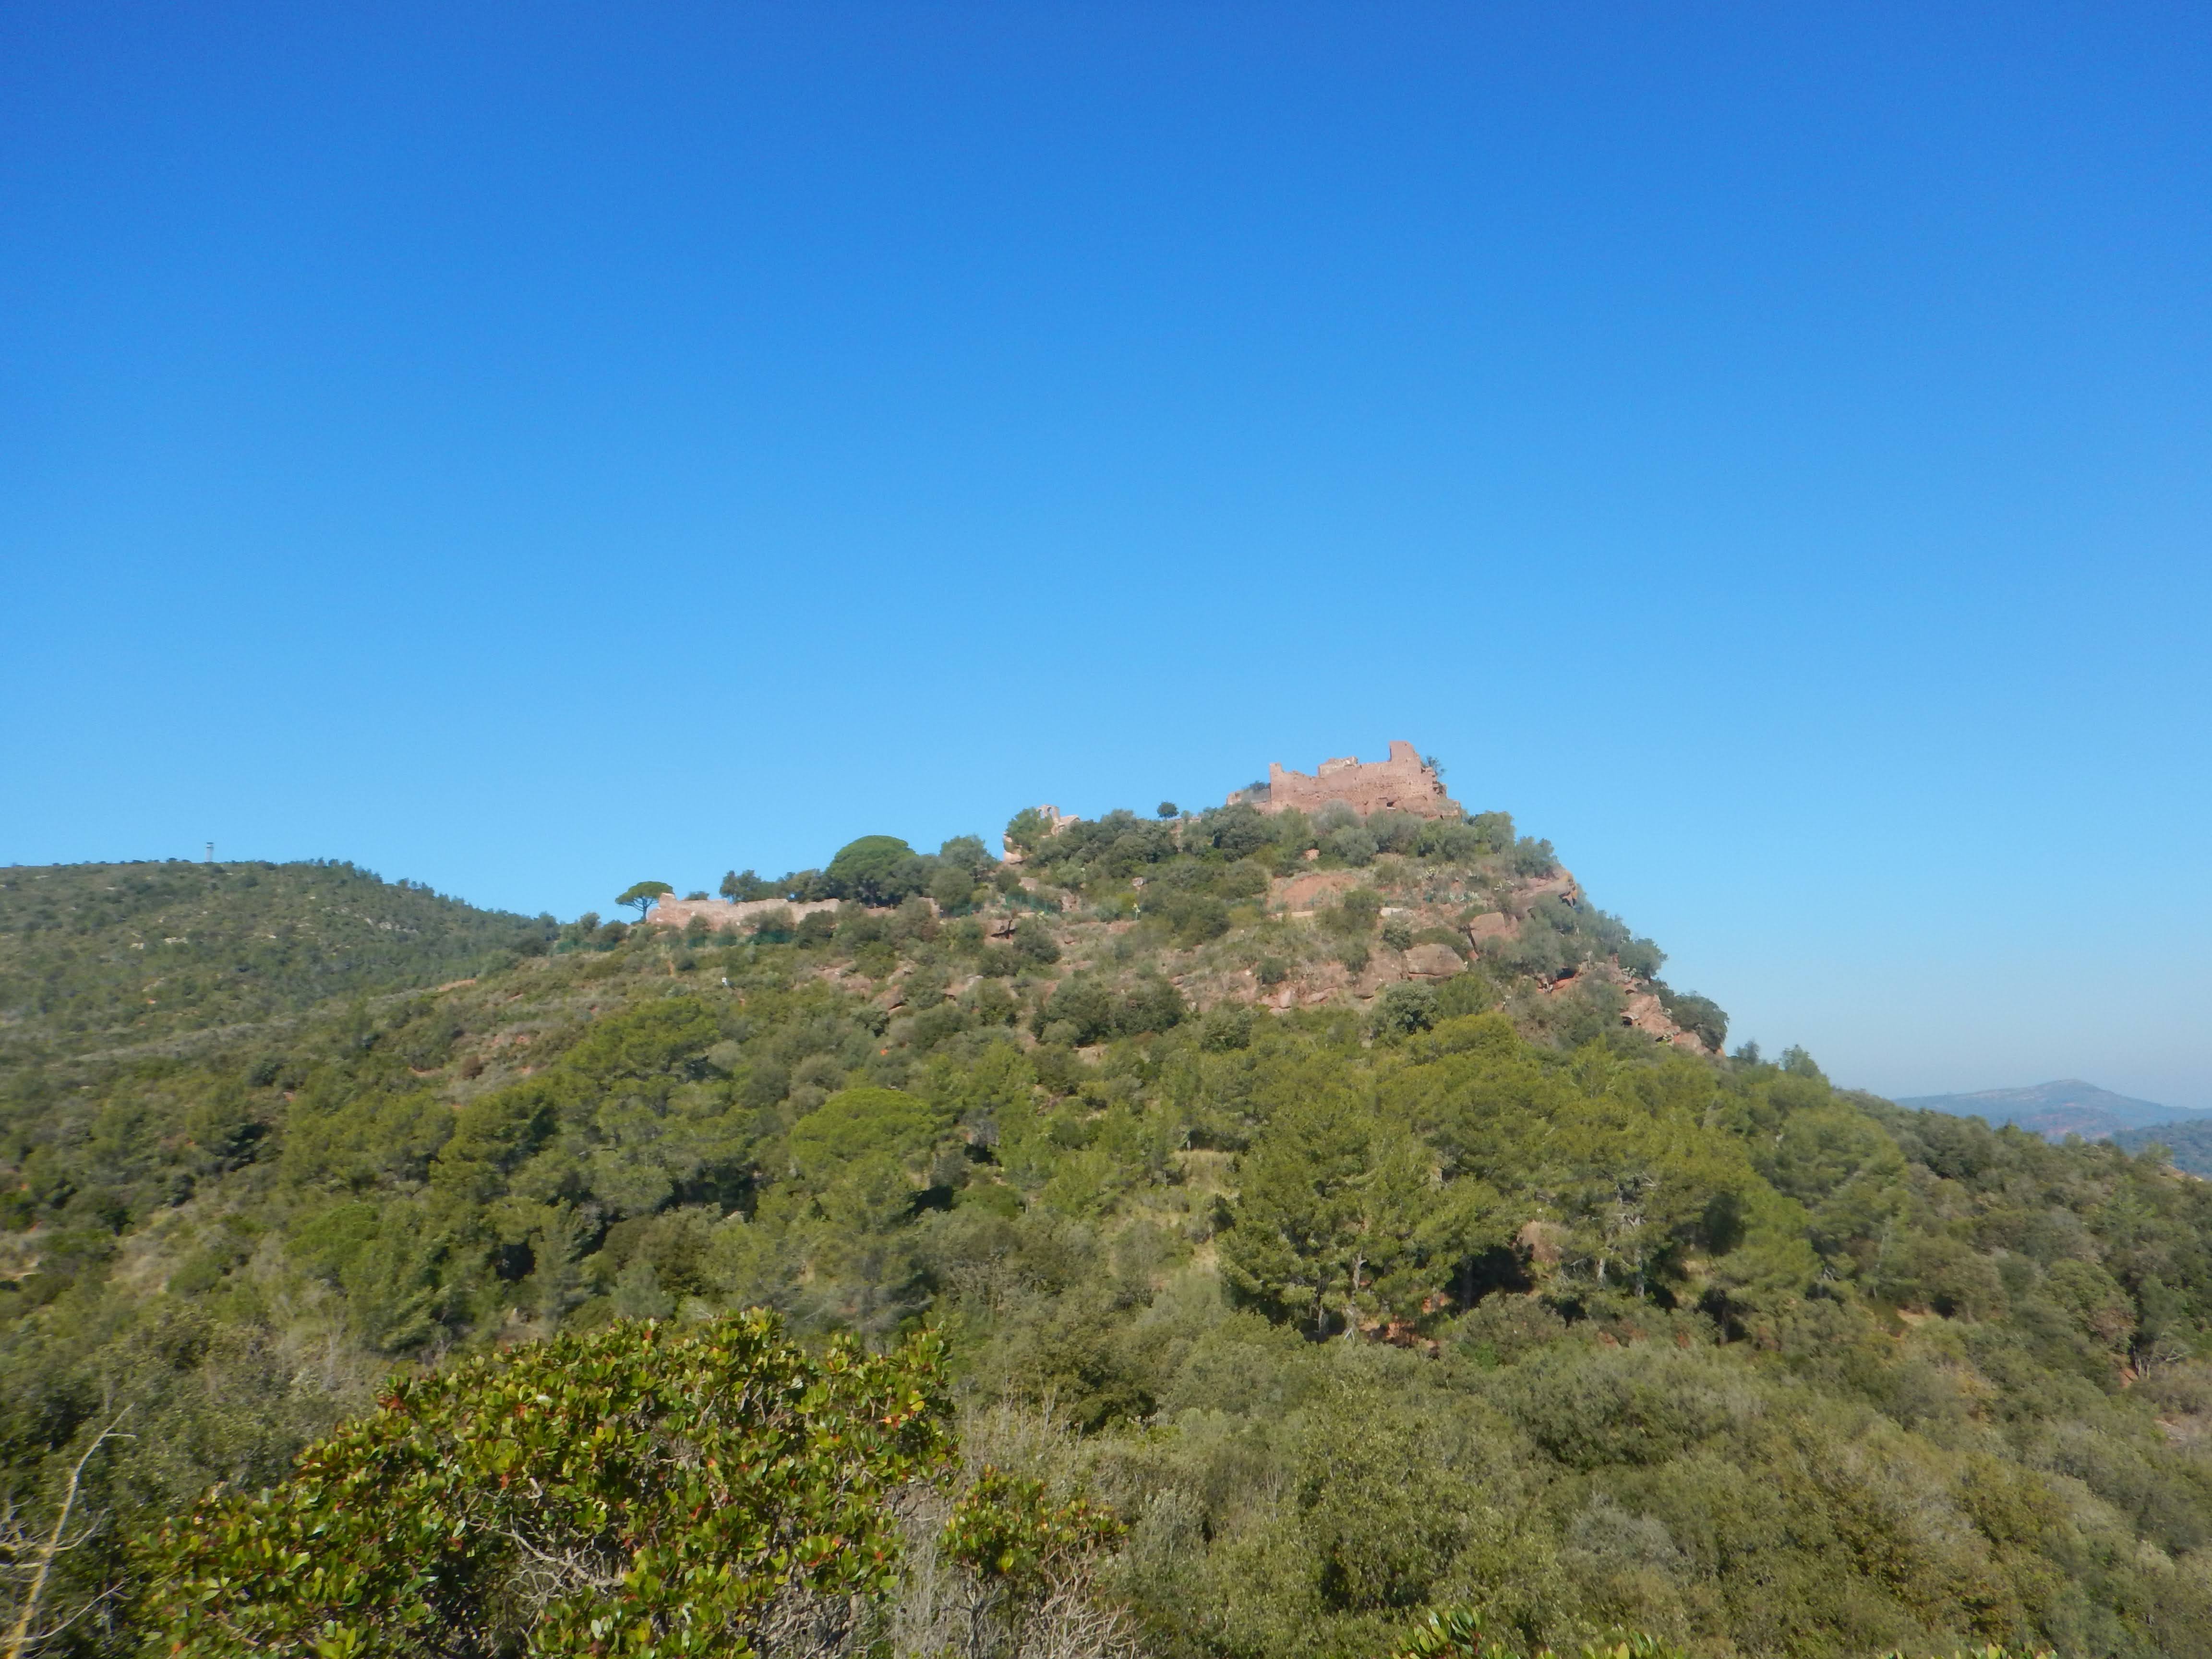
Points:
x=530 y=448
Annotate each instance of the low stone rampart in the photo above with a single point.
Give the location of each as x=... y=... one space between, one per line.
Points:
x=725 y=913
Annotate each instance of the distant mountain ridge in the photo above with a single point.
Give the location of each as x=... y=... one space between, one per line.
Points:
x=2054 y=1110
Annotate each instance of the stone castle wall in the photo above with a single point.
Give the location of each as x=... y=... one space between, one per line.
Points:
x=673 y=912
x=1400 y=784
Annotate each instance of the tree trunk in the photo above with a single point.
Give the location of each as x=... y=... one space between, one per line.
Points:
x=20 y=1639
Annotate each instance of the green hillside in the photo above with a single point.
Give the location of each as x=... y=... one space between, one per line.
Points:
x=1371 y=1233
x=2188 y=1143
x=100 y=955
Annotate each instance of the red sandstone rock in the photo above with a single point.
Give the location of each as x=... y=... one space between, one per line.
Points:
x=1433 y=961
x=1303 y=893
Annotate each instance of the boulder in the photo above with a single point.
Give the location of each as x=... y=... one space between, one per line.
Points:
x=1432 y=962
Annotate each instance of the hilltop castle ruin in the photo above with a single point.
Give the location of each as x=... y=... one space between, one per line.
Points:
x=1403 y=783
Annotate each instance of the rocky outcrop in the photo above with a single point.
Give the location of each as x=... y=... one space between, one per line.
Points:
x=1644 y=1012
x=1432 y=962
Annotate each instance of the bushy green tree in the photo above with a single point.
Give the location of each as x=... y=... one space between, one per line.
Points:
x=1238 y=832
x=876 y=870
x=1027 y=831
x=856 y=1124
x=1354 y=844
x=952 y=889
x=1033 y=942
x=1532 y=857
x=1404 y=1009
x=633 y=1489
x=1332 y=1201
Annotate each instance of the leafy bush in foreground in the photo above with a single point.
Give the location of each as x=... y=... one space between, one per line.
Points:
x=628 y=1489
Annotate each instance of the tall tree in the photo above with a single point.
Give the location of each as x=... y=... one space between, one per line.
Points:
x=643 y=895
x=876 y=870
x=741 y=885
x=1332 y=1200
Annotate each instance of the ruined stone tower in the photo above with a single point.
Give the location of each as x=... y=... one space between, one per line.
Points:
x=1400 y=784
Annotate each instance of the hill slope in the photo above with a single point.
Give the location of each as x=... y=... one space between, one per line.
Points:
x=1482 y=1281
x=100 y=954
x=2188 y=1143
x=2054 y=1110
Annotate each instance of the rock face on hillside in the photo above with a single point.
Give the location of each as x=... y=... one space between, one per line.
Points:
x=1451 y=933
x=1400 y=784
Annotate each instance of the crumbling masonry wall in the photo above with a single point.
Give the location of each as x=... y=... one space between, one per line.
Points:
x=1400 y=784
x=718 y=914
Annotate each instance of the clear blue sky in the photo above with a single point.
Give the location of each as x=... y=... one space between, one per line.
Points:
x=529 y=448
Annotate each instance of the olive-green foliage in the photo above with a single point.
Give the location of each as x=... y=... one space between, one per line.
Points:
x=876 y=870
x=631 y=1490
x=643 y=893
x=94 y=954
x=2188 y=1145
x=739 y=886
x=1356 y=912
x=1486 y=1304
x=1457 y=1633
x=857 y=1124
x=1093 y=1010
x=1405 y=1008
x=1034 y=943
x=1003 y=1529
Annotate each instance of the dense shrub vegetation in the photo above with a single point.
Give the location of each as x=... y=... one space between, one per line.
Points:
x=106 y=954
x=621 y=1490
x=1443 y=1306
x=2188 y=1145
